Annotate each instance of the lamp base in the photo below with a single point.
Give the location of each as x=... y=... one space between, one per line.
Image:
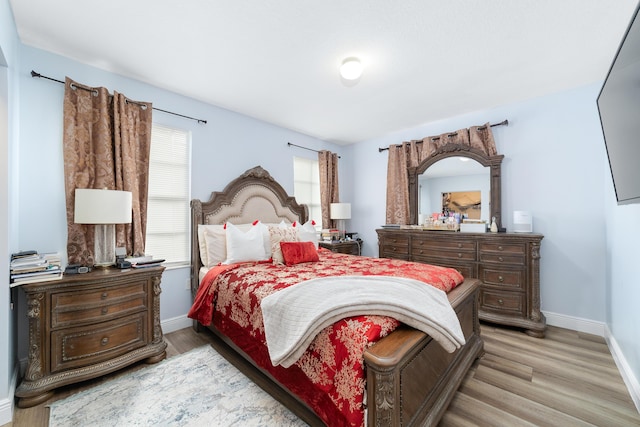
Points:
x=105 y=245
x=341 y=229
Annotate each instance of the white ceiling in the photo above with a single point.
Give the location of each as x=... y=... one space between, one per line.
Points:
x=277 y=60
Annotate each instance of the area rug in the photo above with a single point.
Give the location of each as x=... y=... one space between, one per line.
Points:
x=196 y=388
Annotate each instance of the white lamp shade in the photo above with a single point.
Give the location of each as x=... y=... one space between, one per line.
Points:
x=351 y=69
x=94 y=206
x=340 y=211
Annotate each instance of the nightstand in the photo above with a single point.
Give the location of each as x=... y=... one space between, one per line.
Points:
x=87 y=325
x=353 y=247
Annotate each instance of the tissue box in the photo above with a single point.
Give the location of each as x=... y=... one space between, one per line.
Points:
x=473 y=228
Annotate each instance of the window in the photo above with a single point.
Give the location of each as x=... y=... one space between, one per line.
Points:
x=306 y=186
x=168 y=202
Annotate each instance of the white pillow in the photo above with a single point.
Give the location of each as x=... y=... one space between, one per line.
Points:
x=215 y=238
x=243 y=247
x=265 y=238
x=307 y=233
x=202 y=245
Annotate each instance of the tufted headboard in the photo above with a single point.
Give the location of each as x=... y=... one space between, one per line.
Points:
x=254 y=195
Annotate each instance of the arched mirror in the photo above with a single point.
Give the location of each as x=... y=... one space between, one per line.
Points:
x=459 y=178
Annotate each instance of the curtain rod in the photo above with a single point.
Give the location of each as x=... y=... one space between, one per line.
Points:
x=304 y=148
x=35 y=74
x=504 y=122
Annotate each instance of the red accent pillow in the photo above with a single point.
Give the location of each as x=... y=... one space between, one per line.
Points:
x=298 y=252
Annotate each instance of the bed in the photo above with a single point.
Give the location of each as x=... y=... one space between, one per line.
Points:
x=407 y=376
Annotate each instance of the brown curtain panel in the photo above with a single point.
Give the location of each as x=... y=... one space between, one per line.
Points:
x=412 y=153
x=329 y=190
x=401 y=157
x=132 y=145
x=106 y=144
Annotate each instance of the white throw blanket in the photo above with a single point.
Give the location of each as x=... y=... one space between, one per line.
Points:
x=295 y=315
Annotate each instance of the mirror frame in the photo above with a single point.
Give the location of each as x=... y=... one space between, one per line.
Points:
x=458 y=150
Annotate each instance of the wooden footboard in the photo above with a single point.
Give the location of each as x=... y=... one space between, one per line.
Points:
x=411 y=379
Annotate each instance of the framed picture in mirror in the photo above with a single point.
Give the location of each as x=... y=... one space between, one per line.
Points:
x=467 y=203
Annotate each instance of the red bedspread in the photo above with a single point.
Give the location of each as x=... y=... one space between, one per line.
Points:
x=330 y=376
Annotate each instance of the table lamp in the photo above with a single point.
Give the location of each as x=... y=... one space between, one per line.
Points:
x=340 y=212
x=104 y=208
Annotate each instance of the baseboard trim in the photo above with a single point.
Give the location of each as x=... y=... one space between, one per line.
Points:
x=175 y=324
x=625 y=370
x=6 y=405
x=575 y=323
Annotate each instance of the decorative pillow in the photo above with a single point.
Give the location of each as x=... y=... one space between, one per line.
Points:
x=298 y=252
x=265 y=237
x=202 y=245
x=212 y=240
x=244 y=247
x=278 y=235
x=215 y=245
x=307 y=232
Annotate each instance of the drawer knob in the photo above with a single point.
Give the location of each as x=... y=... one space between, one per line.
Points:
x=459 y=255
x=421 y=251
x=104 y=341
x=105 y=310
x=500 y=248
x=104 y=295
x=500 y=259
x=500 y=279
x=500 y=301
x=459 y=245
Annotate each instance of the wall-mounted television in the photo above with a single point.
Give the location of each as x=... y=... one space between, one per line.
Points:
x=619 y=108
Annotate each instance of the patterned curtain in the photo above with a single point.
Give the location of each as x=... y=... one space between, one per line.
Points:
x=412 y=153
x=329 y=190
x=132 y=143
x=106 y=144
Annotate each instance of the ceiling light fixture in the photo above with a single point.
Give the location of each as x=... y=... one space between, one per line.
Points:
x=351 y=68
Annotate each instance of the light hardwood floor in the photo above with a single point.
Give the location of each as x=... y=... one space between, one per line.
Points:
x=565 y=379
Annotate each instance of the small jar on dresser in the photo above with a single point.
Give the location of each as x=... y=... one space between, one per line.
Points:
x=87 y=325
x=508 y=264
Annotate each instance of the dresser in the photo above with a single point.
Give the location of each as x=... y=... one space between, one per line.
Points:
x=87 y=325
x=508 y=264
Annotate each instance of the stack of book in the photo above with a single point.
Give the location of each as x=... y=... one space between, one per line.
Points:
x=329 y=234
x=31 y=267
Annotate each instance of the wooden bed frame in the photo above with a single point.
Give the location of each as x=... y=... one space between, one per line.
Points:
x=411 y=379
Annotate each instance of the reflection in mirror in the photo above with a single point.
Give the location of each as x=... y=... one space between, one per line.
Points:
x=454 y=175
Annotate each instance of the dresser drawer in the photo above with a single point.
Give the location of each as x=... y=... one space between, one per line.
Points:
x=503 y=302
x=83 y=346
x=439 y=244
x=502 y=259
x=447 y=254
x=503 y=248
x=393 y=246
x=513 y=279
x=81 y=307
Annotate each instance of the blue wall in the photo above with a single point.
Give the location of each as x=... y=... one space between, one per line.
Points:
x=554 y=166
x=8 y=136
